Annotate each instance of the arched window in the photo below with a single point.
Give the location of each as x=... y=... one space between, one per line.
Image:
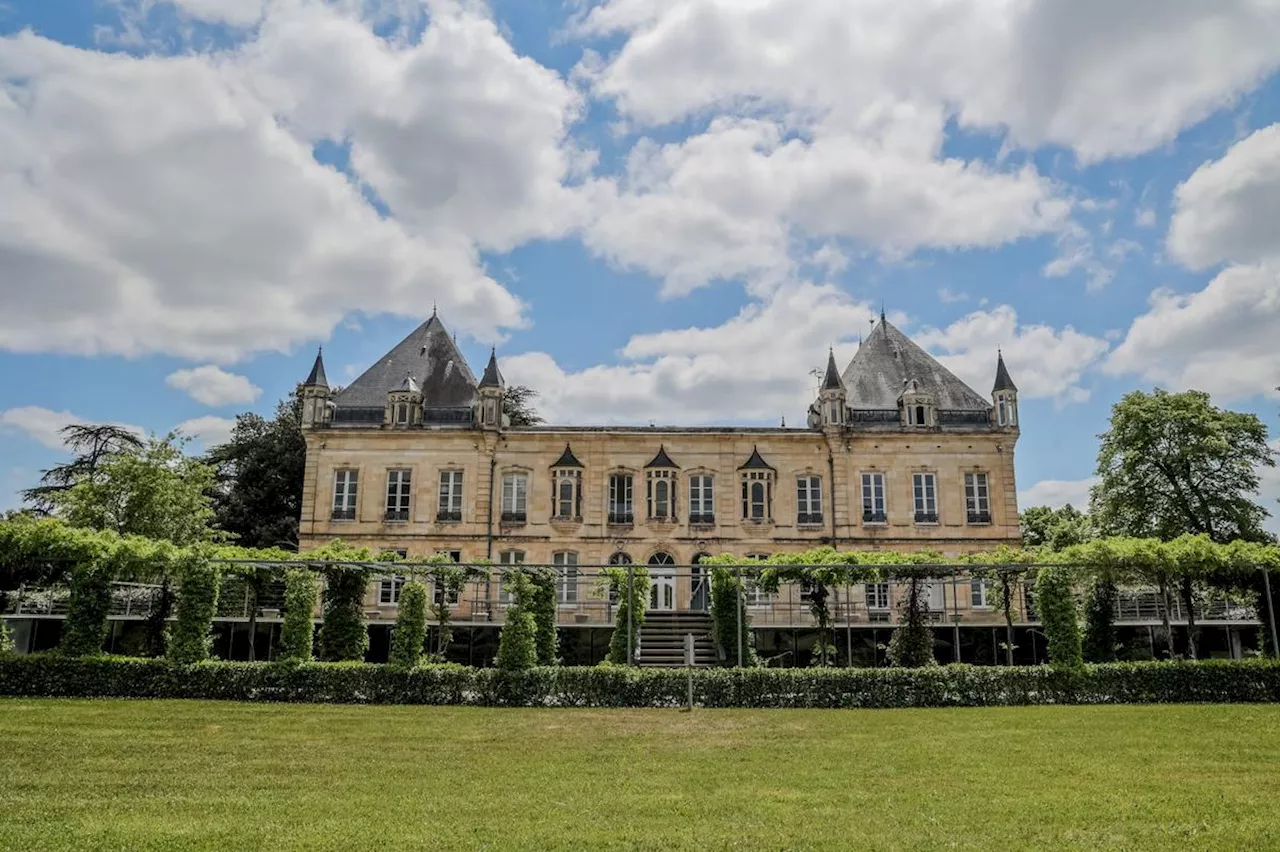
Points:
x=757 y=501
x=757 y=494
x=661 y=558
x=661 y=501
x=661 y=494
x=567 y=494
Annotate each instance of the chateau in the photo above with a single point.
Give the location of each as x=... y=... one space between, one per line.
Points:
x=417 y=456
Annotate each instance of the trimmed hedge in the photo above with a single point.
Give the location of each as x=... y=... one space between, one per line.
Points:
x=53 y=675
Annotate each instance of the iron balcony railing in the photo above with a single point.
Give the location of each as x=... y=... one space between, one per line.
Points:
x=979 y=517
x=343 y=515
x=809 y=518
x=874 y=517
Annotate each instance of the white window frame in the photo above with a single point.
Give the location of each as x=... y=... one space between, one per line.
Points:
x=808 y=498
x=876 y=596
x=399 y=493
x=389 y=590
x=515 y=494
x=449 y=495
x=572 y=478
x=346 y=492
x=750 y=479
x=875 y=494
x=507 y=558
x=924 y=495
x=979 y=597
x=566 y=564
x=702 y=498
x=977 y=496
x=622 y=505
x=660 y=510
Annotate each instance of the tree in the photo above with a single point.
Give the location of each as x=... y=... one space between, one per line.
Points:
x=518 y=643
x=153 y=490
x=911 y=644
x=1055 y=529
x=410 y=631
x=92 y=444
x=517 y=404
x=1057 y=608
x=1173 y=463
x=258 y=497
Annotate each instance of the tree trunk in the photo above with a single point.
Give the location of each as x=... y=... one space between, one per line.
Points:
x=1166 y=604
x=253 y=621
x=1188 y=600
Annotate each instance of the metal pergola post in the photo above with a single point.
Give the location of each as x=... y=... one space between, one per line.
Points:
x=631 y=605
x=742 y=608
x=1271 y=612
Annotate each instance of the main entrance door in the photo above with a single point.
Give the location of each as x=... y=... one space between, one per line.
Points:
x=662 y=575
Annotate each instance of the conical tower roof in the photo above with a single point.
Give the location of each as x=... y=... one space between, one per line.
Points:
x=317 y=378
x=1003 y=380
x=431 y=358
x=887 y=360
x=832 y=381
x=492 y=378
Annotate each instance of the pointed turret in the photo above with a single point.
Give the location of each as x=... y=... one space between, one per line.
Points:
x=317 y=378
x=832 y=380
x=492 y=377
x=1003 y=381
x=829 y=411
x=315 y=395
x=1004 y=396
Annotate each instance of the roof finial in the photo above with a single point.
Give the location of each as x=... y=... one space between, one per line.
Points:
x=784 y=421
x=882 y=310
x=433 y=307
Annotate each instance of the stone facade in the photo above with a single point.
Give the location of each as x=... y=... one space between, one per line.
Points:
x=897 y=454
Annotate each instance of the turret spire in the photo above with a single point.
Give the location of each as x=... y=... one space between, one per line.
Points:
x=1003 y=380
x=317 y=378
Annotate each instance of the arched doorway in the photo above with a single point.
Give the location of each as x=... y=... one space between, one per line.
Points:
x=662 y=575
x=700 y=585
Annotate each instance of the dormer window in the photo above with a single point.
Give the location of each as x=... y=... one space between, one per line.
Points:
x=916 y=405
x=661 y=494
x=566 y=487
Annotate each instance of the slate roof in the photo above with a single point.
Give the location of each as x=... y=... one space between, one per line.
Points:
x=887 y=359
x=316 y=377
x=492 y=378
x=662 y=459
x=1003 y=380
x=756 y=462
x=832 y=380
x=428 y=356
x=567 y=459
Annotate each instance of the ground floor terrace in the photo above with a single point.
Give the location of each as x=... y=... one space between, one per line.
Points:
x=963 y=605
x=224 y=775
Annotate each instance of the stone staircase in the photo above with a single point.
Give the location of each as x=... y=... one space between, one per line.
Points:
x=662 y=639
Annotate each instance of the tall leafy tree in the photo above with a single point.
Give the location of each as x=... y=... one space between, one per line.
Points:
x=1174 y=463
x=154 y=490
x=517 y=404
x=91 y=444
x=258 y=496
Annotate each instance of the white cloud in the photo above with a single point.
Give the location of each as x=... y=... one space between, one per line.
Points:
x=214 y=386
x=1100 y=77
x=173 y=204
x=1056 y=493
x=44 y=425
x=732 y=201
x=1229 y=209
x=1145 y=218
x=753 y=368
x=208 y=430
x=1044 y=361
x=1221 y=339
x=236 y=13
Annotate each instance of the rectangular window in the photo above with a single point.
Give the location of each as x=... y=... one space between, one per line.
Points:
x=566 y=494
x=389 y=590
x=515 y=491
x=508 y=557
x=757 y=496
x=345 y=490
x=752 y=594
x=399 y=488
x=809 y=500
x=978 y=593
x=873 y=506
x=450 y=503
x=977 y=499
x=701 y=500
x=567 y=586
x=661 y=495
x=877 y=596
x=621 y=504
x=924 y=487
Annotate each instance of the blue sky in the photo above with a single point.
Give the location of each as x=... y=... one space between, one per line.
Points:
x=655 y=210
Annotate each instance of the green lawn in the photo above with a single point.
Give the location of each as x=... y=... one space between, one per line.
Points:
x=207 y=775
